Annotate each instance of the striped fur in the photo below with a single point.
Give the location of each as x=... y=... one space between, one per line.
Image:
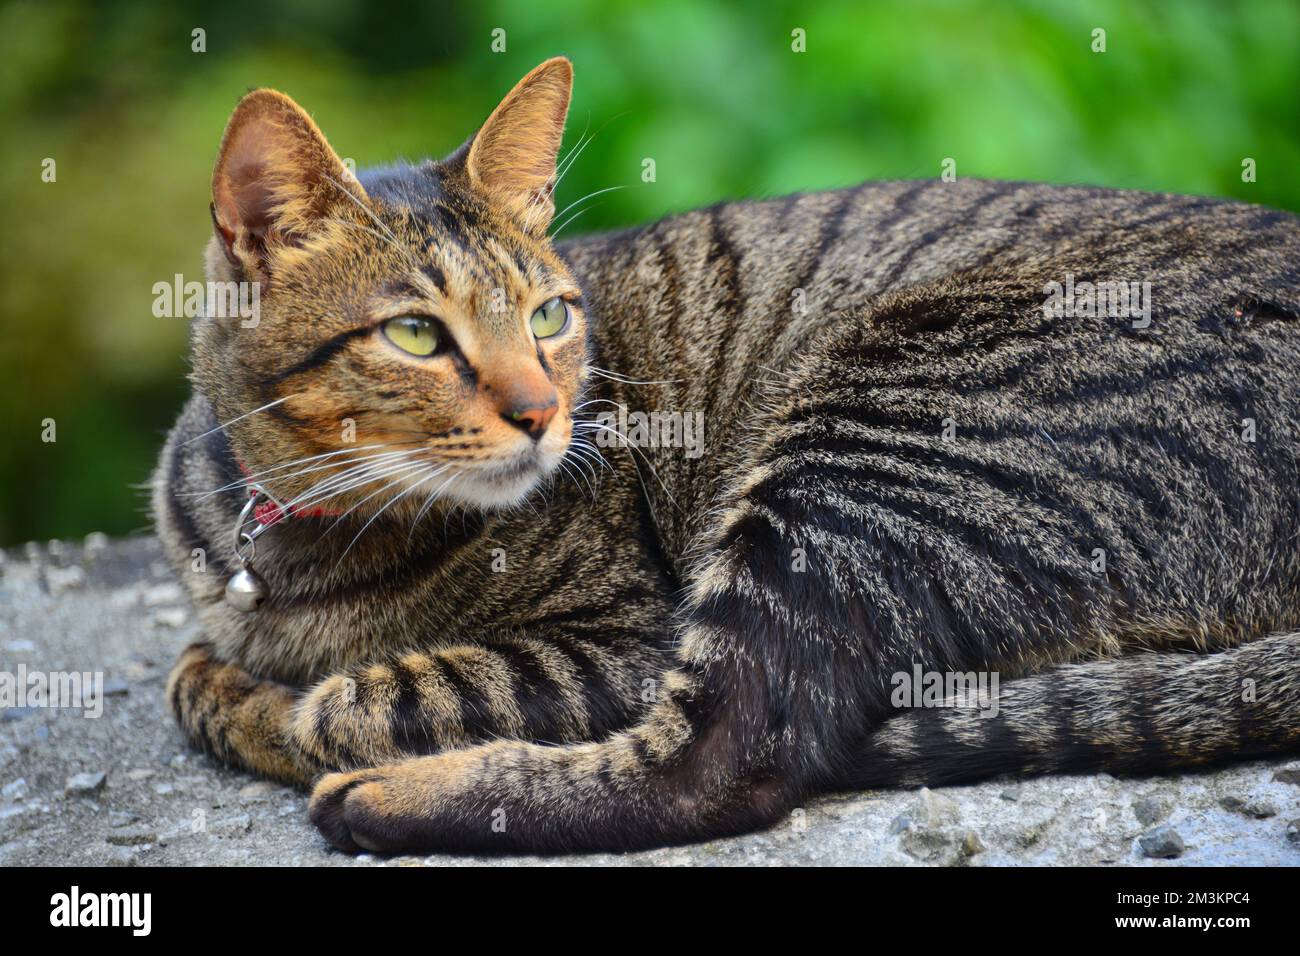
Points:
x=711 y=640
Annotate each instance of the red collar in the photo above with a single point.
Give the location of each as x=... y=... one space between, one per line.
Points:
x=270 y=511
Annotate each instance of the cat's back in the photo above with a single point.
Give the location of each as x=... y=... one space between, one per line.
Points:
x=716 y=287
x=879 y=235
x=719 y=304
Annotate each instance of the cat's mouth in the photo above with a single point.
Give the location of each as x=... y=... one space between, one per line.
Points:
x=502 y=484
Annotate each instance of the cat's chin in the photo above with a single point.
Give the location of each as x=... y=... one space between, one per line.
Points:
x=497 y=490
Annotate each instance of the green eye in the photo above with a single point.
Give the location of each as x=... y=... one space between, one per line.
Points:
x=412 y=334
x=551 y=319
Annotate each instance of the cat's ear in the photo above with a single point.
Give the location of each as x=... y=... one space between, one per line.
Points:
x=276 y=178
x=512 y=158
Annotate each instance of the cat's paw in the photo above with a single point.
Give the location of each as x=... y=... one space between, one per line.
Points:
x=395 y=808
x=342 y=809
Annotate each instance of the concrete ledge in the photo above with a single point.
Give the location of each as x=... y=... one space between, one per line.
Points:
x=122 y=788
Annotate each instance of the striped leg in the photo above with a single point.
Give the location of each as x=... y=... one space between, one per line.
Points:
x=551 y=685
x=240 y=719
x=727 y=747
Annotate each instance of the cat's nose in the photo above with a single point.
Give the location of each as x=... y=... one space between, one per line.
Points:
x=532 y=419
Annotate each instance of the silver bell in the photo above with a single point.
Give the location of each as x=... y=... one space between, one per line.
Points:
x=246 y=590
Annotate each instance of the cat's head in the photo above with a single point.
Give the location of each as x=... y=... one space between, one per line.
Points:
x=416 y=331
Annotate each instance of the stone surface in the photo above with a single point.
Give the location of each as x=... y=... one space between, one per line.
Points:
x=160 y=803
x=1162 y=843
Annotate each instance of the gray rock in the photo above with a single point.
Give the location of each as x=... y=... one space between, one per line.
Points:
x=85 y=784
x=1289 y=774
x=1162 y=843
x=122 y=818
x=971 y=844
x=1293 y=832
x=116 y=687
x=174 y=617
x=1255 y=807
x=1150 y=810
x=122 y=856
x=64 y=579
x=900 y=823
x=16 y=790
x=135 y=836
x=235 y=826
x=161 y=594
x=96 y=543
x=936 y=810
x=256 y=792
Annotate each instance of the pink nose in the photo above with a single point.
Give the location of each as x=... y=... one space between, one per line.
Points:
x=532 y=420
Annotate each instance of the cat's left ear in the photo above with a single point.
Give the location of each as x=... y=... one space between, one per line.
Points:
x=275 y=182
x=512 y=158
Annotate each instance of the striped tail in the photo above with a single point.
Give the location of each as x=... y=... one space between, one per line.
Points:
x=1147 y=713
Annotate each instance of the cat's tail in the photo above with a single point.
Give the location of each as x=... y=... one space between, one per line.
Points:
x=1144 y=713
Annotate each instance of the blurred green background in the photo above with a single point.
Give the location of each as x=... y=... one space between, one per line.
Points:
x=712 y=91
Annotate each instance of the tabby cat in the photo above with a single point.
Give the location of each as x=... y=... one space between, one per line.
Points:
x=487 y=623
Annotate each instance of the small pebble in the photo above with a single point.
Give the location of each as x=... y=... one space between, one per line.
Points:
x=1150 y=810
x=1011 y=794
x=122 y=818
x=17 y=790
x=135 y=836
x=971 y=844
x=1293 y=832
x=83 y=784
x=96 y=543
x=173 y=617
x=1249 y=807
x=1162 y=843
x=160 y=594
x=936 y=810
x=255 y=792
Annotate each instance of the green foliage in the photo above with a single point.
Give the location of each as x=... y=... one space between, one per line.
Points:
x=711 y=91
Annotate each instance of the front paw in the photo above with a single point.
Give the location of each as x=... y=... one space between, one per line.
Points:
x=343 y=804
x=238 y=718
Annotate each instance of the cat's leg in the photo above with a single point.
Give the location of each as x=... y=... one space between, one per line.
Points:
x=552 y=685
x=742 y=729
x=240 y=719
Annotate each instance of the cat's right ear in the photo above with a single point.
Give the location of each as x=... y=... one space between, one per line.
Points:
x=276 y=178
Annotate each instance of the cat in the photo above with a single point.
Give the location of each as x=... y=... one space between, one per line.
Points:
x=472 y=617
